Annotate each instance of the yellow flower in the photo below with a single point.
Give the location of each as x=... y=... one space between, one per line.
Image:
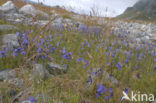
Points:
x=65 y=25
x=68 y=41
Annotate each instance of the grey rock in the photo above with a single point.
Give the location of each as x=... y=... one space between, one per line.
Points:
x=143 y=32
x=28 y=9
x=16 y=82
x=9 y=7
x=58 y=20
x=15 y=17
x=31 y=10
x=54 y=13
x=96 y=72
x=39 y=72
x=55 y=68
x=7 y=27
x=7 y=74
x=10 y=41
x=153 y=36
x=41 y=23
x=43 y=15
x=145 y=39
x=107 y=77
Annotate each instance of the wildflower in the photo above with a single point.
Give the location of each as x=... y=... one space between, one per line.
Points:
x=42 y=41
x=111 y=95
x=32 y=100
x=44 y=56
x=136 y=67
x=39 y=50
x=107 y=53
x=126 y=90
x=68 y=55
x=51 y=37
x=110 y=48
x=107 y=97
x=98 y=95
x=3 y=54
x=101 y=89
x=53 y=49
x=64 y=50
x=90 y=80
x=155 y=67
x=58 y=43
x=127 y=60
x=113 y=55
x=110 y=90
x=80 y=59
x=108 y=64
x=88 y=43
x=119 y=65
x=84 y=53
x=66 y=66
x=86 y=64
x=16 y=52
x=23 y=53
x=138 y=76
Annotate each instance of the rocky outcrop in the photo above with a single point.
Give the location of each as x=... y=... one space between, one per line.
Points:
x=135 y=31
x=40 y=72
x=31 y=10
x=7 y=27
x=29 y=15
x=10 y=41
x=7 y=74
x=9 y=7
x=28 y=9
x=94 y=73
x=56 y=69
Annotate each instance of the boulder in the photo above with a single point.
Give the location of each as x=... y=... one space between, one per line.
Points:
x=31 y=10
x=9 y=7
x=55 y=69
x=94 y=73
x=14 y=16
x=40 y=72
x=41 y=23
x=42 y=15
x=16 y=82
x=58 y=20
x=7 y=74
x=10 y=41
x=28 y=10
x=7 y=27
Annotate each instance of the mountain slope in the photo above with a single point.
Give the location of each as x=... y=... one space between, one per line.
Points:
x=142 y=10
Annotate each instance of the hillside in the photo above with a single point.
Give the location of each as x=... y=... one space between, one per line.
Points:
x=51 y=55
x=142 y=10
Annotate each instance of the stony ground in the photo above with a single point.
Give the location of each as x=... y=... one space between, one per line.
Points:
x=50 y=58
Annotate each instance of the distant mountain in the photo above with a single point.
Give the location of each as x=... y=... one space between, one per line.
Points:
x=142 y=10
